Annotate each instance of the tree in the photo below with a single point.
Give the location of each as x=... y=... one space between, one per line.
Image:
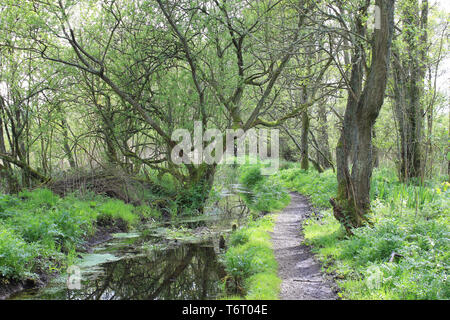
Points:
x=352 y=203
x=163 y=65
x=409 y=64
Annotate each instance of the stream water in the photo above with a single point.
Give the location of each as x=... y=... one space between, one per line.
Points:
x=177 y=261
x=143 y=265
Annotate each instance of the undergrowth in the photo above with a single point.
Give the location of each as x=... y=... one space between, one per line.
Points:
x=250 y=261
x=264 y=193
x=410 y=222
x=40 y=232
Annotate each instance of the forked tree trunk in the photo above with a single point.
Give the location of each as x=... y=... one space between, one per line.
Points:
x=353 y=199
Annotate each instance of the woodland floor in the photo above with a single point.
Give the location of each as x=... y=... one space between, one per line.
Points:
x=299 y=271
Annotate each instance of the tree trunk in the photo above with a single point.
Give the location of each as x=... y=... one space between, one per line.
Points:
x=324 y=146
x=409 y=76
x=305 y=129
x=66 y=146
x=304 y=141
x=353 y=199
x=376 y=154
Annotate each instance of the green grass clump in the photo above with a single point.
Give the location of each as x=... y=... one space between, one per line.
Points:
x=40 y=197
x=266 y=193
x=410 y=220
x=116 y=209
x=250 y=262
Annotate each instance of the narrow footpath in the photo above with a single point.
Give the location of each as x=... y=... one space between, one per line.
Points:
x=299 y=271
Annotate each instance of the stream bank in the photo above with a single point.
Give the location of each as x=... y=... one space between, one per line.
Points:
x=155 y=263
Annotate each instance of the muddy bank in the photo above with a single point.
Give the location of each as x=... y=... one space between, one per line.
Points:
x=172 y=261
x=10 y=287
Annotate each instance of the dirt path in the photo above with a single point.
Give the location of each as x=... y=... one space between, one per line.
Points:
x=299 y=271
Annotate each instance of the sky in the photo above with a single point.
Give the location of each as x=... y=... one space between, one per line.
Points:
x=443 y=82
x=444 y=4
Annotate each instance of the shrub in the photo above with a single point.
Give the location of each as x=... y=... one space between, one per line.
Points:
x=16 y=257
x=251 y=176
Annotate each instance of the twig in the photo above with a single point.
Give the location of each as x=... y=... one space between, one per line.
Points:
x=306 y=280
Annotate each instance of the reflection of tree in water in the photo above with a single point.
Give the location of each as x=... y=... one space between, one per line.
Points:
x=186 y=272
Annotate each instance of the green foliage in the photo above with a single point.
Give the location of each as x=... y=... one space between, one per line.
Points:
x=147 y=212
x=115 y=210
x=265 y=193
x=320 y=187
x=190 y=201
x=250 y=262
x=411 y=221
x=40 y=231
x=239 y=237
x=40 y=197
x=16 y=256
x=251 y=175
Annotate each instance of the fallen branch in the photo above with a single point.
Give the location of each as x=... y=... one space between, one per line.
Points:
x=306 y=280
x=33 y=173
x=394 y=255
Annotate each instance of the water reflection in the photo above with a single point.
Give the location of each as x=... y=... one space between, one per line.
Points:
x=189 y=271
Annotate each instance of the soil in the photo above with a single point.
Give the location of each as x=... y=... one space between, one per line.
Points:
x=301 y=274
x=11 y=287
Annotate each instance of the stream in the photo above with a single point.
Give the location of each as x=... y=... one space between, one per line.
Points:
x=156 y=263
x=173 y=260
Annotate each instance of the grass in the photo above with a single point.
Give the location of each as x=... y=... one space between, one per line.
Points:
x=250 y=262
x=40 y=232
x=266 y=193
x=409 y=220
x=117 y=209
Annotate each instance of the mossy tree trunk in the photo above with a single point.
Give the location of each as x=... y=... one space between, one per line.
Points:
x=353 y=198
